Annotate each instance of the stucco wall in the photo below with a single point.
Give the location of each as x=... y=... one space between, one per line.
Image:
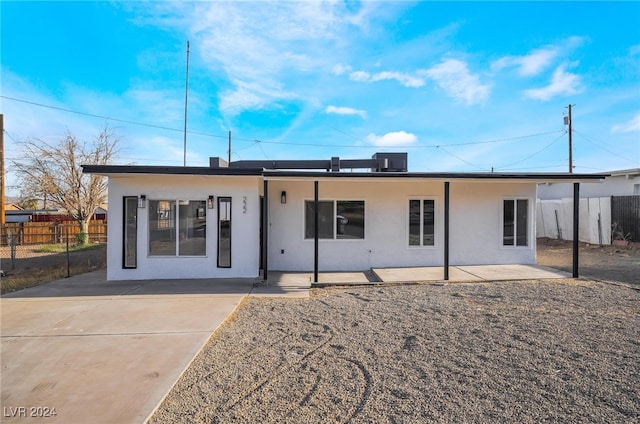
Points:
x=618 y=185
x=245 y=226
x=476 y=223
x=475 y=226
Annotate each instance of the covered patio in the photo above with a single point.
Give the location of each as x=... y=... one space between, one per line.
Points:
x=297 y=281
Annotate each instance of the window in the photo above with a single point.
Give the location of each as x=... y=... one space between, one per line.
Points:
x=130 y=229
x=350 y=219
x=421 y=222
x=192 y=228
x=515 y=222
x=325 y=220
x=188 y=238
x=224 y=232
x=341 y=219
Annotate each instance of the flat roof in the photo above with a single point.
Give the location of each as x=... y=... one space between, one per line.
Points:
x=288 y=174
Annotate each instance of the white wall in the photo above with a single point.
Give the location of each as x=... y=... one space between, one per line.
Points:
x=475 y=225
x=619 y=185
x=591 y=209
x=245 y=226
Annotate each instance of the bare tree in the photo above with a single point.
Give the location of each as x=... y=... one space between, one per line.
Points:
x=53 y=173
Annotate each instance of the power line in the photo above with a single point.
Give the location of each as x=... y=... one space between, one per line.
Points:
x=425 y=146
x=534 y=154
x=125 y=121
x=600 y=147
x=559 y=165
x=460 y=159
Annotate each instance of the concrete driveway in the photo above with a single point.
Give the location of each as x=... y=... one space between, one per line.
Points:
x=104 y=352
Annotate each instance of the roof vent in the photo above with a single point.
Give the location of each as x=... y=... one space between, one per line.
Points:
x=390 y=162
x=218 y=162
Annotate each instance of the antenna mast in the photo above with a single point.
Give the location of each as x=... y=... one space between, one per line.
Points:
x=186 y=97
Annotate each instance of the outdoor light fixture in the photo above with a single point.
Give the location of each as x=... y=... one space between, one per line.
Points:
x=142 y=201
x=283 y=197
x=210 y=202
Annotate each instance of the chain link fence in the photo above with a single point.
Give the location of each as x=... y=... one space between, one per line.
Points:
x=33 y=253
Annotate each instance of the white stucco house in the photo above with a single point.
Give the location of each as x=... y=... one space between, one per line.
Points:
x=244 y=218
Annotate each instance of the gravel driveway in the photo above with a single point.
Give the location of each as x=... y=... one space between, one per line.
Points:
x=553 y=351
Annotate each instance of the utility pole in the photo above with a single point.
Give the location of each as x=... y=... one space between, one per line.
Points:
x=570 y=141
x=2 y=206
x=186 y=96
x=229 y=147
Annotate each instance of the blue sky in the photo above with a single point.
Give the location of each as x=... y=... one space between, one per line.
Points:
x=459 y=86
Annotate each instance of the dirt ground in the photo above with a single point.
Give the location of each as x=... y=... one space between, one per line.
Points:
x=31 y=268
x=609 y=263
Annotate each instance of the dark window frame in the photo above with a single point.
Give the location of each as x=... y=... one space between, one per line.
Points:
x=421 y=222
x=222 y=199
x=170 y=221
x=511 y=222
x=124 y=232
x=333 y=219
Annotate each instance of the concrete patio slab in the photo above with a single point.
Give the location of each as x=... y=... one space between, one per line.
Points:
x=513 y=272
x=297 y=284
x=284 y=284
x=435 y=273
x=469 y=273
x=105 y=352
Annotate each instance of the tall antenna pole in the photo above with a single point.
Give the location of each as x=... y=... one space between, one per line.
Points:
x=186 y=97
x=229 y=146
x=570 y=144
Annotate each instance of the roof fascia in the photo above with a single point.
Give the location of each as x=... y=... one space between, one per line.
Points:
x=436 y=176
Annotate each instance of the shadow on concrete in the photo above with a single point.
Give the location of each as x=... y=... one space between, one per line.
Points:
x=96 y=284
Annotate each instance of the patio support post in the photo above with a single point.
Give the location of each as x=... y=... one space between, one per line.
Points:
x=576 y=227
x=265 y=231
x=446 y=230
x=316 y=225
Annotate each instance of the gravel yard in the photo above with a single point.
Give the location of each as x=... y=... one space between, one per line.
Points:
x=553 y=351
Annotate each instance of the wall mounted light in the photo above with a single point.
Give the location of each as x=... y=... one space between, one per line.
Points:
x=210 y=202
x=283 y=197
x=142 y=201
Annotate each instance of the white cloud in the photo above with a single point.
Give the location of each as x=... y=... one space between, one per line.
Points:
x=562 y=83
x=631 y=125
x=406 y=80
x=454 y=78
x=340 y=69
x=537 y=60
x=531 y=64
x=259 y=46
x=392 y=139
x=342 y=110
x=360 y=76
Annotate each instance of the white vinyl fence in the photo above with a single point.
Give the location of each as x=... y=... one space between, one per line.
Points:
x=554 y=219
